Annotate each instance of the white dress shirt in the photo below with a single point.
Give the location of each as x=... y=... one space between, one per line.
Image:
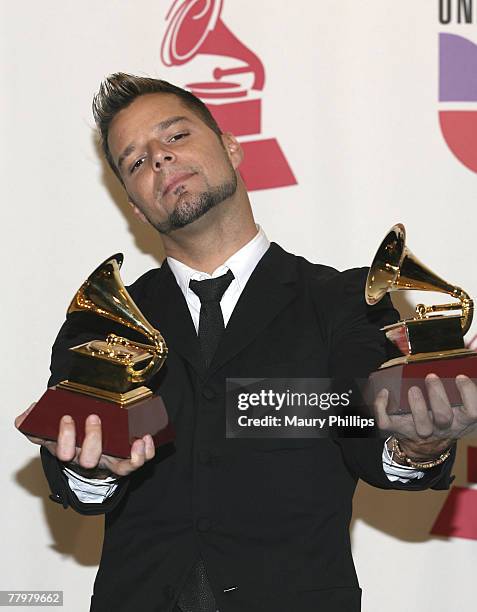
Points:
x=242 y=263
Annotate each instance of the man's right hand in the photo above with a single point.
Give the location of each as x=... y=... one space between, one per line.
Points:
x=89 y=460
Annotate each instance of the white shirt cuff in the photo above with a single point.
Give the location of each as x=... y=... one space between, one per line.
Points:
x=91 y=490
x=395 y=471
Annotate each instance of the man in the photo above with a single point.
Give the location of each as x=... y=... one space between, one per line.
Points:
x=212 y=523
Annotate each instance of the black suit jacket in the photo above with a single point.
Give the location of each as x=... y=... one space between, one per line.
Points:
x=269 y=517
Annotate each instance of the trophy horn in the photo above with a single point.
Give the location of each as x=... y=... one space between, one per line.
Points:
x=104 y=293
x=396 y=268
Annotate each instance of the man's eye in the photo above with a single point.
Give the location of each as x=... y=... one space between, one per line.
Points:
x=137 y=164
x=178 y=136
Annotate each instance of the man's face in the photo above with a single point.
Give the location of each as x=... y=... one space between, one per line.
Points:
x=174 y=167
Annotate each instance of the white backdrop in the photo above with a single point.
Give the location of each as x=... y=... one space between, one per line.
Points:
x=351 y=94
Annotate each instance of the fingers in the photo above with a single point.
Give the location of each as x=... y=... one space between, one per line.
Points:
x=383 y=420
x=66 y=442
x=401 y=425
x=142 y=450
x=420 y=414
x=90 y=453
x=432 y=420
x=138 y=454
x=90 y=456
x=468 y=393
x=150 y=449
x=439 y=403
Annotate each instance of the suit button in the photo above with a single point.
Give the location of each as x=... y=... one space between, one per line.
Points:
x=203 y=524
x=208 y=393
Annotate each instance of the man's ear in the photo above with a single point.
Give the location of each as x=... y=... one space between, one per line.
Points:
x=137 y=212
x=233 y=148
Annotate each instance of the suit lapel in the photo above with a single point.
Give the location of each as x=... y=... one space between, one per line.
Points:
x=269 y=289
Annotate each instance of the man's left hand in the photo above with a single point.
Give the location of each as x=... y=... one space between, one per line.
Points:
x=431 y=427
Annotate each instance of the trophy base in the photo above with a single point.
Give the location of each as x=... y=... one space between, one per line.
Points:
x=123 y=399
x=431 y=356
x=399 y=375
x=121 y=424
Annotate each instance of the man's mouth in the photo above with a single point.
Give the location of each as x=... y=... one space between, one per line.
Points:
x=174 y=181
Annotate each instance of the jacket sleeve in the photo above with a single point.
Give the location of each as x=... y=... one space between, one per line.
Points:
x=62 y=494
x=72 y=333
x=357 y=348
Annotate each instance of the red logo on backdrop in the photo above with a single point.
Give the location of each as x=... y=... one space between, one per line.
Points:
x=231 y=90
x=457 y=518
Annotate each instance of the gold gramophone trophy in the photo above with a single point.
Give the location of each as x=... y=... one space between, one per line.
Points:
x=106 y=375
x=428 y=343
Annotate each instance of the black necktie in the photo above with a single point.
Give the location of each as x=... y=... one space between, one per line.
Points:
x=211 y=321
x=196 y=594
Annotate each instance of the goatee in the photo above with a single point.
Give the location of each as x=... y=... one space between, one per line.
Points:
x=191 y=209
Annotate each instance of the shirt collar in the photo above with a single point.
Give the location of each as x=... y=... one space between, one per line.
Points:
x=242 y=263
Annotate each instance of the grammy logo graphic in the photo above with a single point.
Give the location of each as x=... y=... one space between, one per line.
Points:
x=233 y=94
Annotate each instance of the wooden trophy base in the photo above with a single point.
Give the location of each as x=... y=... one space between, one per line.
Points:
x=121 y=425
x=398 y=379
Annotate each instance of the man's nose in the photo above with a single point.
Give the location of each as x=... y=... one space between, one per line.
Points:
x=160 y=155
